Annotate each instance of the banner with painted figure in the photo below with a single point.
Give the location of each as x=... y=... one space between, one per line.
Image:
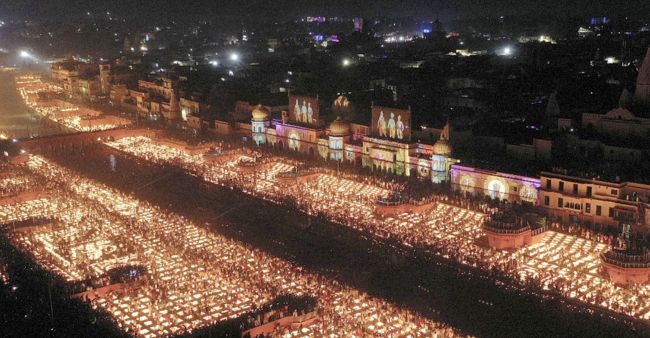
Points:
x=342 y=106
x=391 y=123
x=304 y=109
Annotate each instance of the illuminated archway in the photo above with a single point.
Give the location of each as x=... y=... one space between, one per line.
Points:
x=467 y=183
x=496 y=188
x=423 y=168
x=294 y=141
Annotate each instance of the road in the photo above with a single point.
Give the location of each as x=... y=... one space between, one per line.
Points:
x=15 y=118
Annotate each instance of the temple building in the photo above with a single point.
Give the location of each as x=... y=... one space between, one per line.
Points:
x=496 y=185
x=384 y=145
x=630 y=118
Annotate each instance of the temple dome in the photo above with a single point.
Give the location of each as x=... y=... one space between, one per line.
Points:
x=339 y=127
x=260 y=113
x=442 y=148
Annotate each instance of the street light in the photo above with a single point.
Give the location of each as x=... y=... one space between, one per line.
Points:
x=234 y=57
x=346 y=62
x=25 y=54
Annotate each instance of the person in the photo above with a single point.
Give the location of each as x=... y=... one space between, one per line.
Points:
x=303 y=111
x=296 y=111
x=400 y=127
x=381 y=124
x=391 y=125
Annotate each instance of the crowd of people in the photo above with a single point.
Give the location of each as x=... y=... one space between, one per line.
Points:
x=561 y=262
x=194 y=277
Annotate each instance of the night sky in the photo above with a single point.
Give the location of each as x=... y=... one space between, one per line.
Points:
x=283 y=9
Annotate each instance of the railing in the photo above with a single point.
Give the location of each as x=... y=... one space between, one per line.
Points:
x=248 y=164
x=624 y=260
x=537 y=231
x=420 y=202
x=294 y=174
x=389 y=202
x=506 y=228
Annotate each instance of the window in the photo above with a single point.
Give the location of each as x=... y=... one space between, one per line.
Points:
x=611 y=212
x=599 y=210
x=560 y=202
x=547 y=200
x=561 y=186
x=588 y=208
x=575 y=188
x=588 y=191
x=548 y=184
x=514 y=188
x=614 y=192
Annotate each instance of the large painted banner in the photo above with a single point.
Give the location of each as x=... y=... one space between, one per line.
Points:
x=304 y=109
x=391 y=123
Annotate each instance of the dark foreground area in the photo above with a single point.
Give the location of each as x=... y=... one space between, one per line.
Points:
x=479 y=304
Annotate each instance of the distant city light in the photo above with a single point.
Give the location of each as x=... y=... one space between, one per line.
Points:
x=546 y=39
x=231 y=73
x=505 y=51
x=346 y=62
x=214 y=63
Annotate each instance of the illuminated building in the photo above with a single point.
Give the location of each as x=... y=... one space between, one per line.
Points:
x=384 y=145
x=579 y=200
x=77 y=78
x=338 y=136
x=441 y=160
x=154 y=100
x=260 y=123
x=497 y=185
x=88 y=87
x=188 y=107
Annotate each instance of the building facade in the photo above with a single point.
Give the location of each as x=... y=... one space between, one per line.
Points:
x=579 y=200
x=497 y=185
x=351 y=143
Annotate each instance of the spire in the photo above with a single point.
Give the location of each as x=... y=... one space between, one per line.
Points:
x=552 y=107
x=444 y=135
x=626 y=99
x=642 y=92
